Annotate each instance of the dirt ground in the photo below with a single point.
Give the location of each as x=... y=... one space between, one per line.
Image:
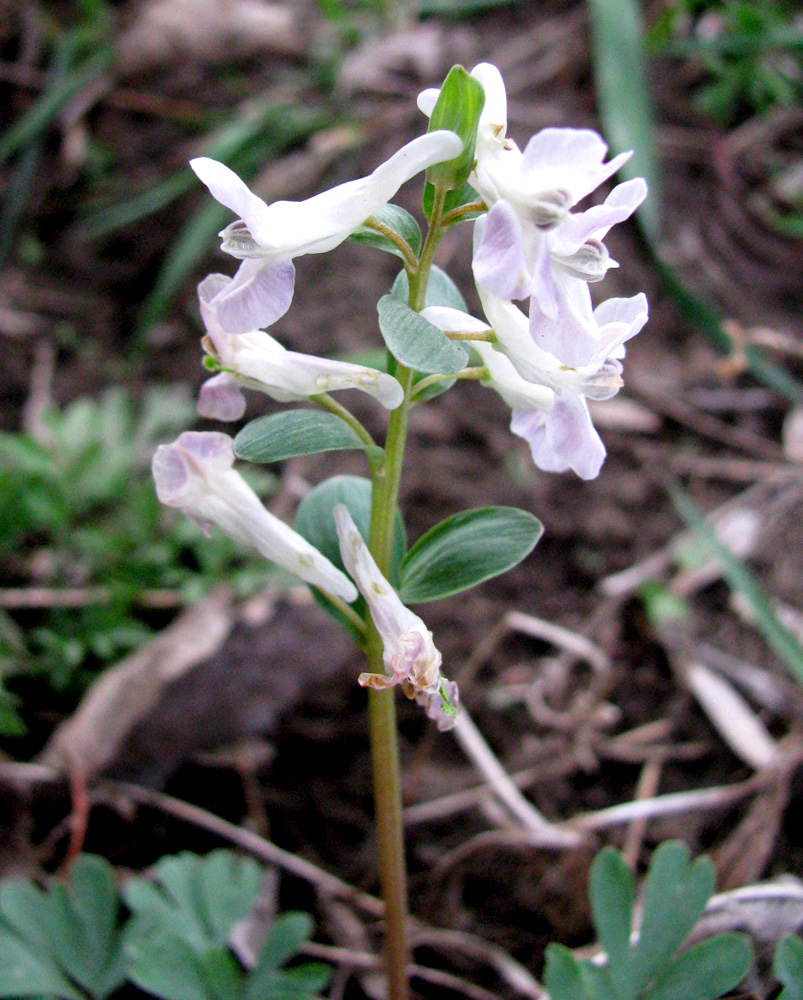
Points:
x=590 y=701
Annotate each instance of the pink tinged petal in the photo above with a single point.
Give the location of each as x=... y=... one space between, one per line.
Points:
x=620 y=204
x=499 y=263
x=328 y=218
x=227 y=188
x=564 y=438
x=409 y=653
x=571 y=158
x=619 y=320
x=558 y=147
x=220 y=398
x=260 y=294
x=572 y=336
x=442 y=710
x=195 y=474
x=208 y=289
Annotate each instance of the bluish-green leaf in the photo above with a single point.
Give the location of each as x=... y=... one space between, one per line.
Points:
x=82 y=926
x=706 y=970
x=624 y=97
x=415 y=342
x=562 y=977
x=288 y=932
x=466 y=549
x=397 y=219
x=26 y=972
x=611 y=894
x=441 y=290
x=169 y=968
x=198 y=899
x=289 y=433
x=23 y=907
x=315 y=519
x=458 y=109
x=787 y=967
x=229 y=885
x=675 y=895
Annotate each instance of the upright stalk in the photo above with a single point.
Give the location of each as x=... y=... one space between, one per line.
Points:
x=385 y=482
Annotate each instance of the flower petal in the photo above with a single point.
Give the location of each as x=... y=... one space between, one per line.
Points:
x=260 y=293
x=596 y=221
x=564 y=438
x=572 y=334
x=195 y=474
x=227 y=188
x=221 y=398
x=409 y=653
x=499 y=263
x=570 y=159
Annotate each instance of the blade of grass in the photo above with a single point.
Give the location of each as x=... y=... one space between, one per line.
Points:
x=620 y=71
x=620 y=66
x=739 y=577
x=45 y=109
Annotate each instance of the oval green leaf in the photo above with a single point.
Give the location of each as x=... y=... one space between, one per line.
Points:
x=400 y=221
x=465 y=550
x=706 y=970
x=415 y=342
x=294 y=432
x=315 y=519
x=441 y=290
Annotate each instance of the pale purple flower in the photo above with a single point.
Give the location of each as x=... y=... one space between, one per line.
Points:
x=548 y=399
x=409 y=654
x=256 y=360
x=195 y=473
x=530 y=245
x=268 y=237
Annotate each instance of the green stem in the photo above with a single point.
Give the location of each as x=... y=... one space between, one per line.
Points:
x=468 y=373
x=410 y=260
x=462 y=212
x=374 y=452
x=385 y=482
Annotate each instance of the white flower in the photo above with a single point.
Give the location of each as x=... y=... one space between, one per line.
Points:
x=548 y=399
x=195 y=473
x=409 y=654
x=530 y=245
x=258 y=361
x=268 y=237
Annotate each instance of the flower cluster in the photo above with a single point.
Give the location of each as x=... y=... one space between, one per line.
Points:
x=195 y=473
x=531 y=245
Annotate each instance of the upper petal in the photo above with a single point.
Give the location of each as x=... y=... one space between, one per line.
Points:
x=568 y=158
x=260 y=293
x=227 y=188
x=321 y=222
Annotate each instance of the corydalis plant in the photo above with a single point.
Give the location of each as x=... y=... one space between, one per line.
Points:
x=529 y=244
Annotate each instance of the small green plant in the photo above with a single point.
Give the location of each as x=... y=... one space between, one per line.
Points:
x=788 y=968
x=647 y=966
x=752 y=53
x=70 y=942
x=81 y=530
